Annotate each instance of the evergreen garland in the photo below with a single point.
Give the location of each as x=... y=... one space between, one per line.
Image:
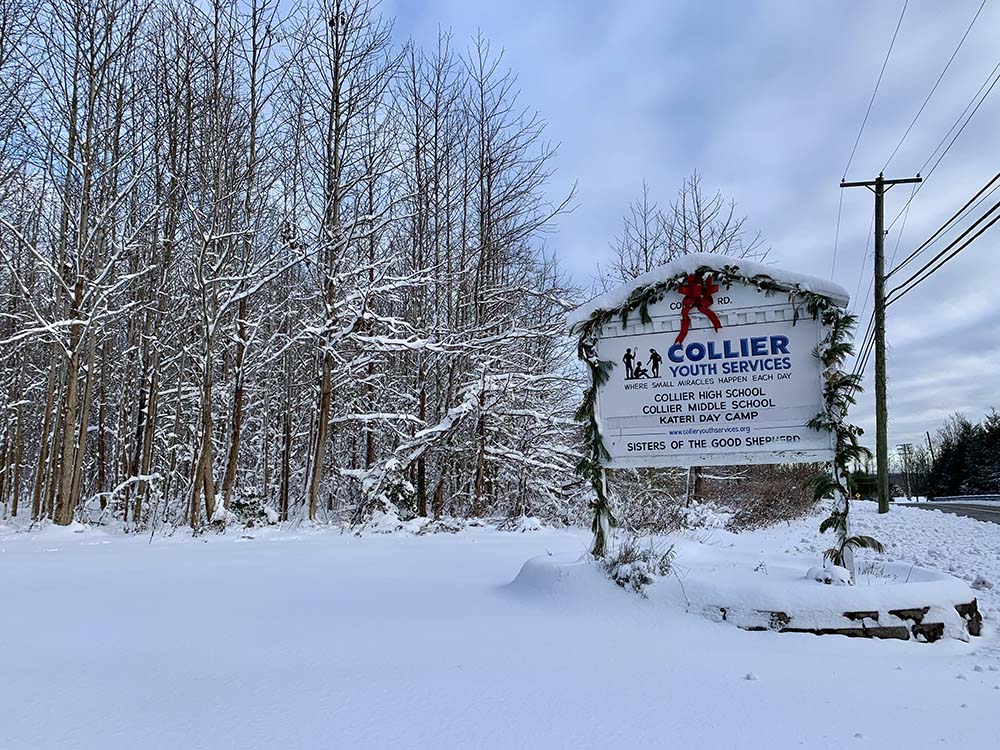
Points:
x=594 y=453
x=839 y=392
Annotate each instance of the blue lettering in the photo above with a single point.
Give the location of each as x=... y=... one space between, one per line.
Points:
x=757 y=346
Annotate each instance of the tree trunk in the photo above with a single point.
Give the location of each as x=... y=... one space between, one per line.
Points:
x=323 y=420
x=203 y=479
x=64 y=507
x=237 y=418
x=422 y=462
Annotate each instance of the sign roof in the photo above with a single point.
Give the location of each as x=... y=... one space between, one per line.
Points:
x=687 y=264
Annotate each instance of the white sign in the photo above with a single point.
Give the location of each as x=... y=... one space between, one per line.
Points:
x=739 y=395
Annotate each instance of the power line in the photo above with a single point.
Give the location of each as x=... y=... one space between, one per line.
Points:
x=864 y=352
x=942 y=263
x=868 y=342
x=861 y=359
x=875 y=92
x=919 y=276
x=868 y=349
x=864 y=300
x=964 y=124
x=952 y=128
x=871 y=284
x=874 y=339
x=857 y=140
x=935 y=86
x=954 y=217
x=864 y=260
x=836 y=234
x=902 y=227
x=866 y=356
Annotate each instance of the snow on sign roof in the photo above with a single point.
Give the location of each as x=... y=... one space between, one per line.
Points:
x=689 y=264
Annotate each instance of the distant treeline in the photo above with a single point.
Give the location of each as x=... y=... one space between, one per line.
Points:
x=967 y=458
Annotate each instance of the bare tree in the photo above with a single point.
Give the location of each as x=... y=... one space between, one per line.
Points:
x=263 y=262
x=693 y=223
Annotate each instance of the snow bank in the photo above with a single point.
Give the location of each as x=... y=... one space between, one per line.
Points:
x=745 y=586
x=616 y=297
x=769 y=589
x=568 y=576
x=776 y=582
x=927 y=539
x=527 y=523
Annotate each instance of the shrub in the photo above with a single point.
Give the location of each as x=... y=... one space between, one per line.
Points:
x=634 y=566
x=251 y=510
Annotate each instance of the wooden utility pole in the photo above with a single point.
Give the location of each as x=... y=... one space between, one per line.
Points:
x=878 y=186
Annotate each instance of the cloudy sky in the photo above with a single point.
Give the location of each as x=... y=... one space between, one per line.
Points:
x=765 y=100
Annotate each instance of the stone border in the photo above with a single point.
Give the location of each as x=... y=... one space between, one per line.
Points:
x=899 y=624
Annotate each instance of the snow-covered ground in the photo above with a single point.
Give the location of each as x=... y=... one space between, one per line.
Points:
x=962 y=547
x=316 y=639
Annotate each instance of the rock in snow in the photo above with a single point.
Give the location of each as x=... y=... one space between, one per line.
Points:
x=981 y=584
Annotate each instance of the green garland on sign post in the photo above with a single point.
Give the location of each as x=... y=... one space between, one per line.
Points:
x=591 y=465
x=839 y=392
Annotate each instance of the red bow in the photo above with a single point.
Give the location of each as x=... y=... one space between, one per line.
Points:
x=697 y=294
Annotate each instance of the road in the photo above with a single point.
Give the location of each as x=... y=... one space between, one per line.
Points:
x=970 y=510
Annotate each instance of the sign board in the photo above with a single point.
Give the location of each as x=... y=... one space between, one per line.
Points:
x=740 y=395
